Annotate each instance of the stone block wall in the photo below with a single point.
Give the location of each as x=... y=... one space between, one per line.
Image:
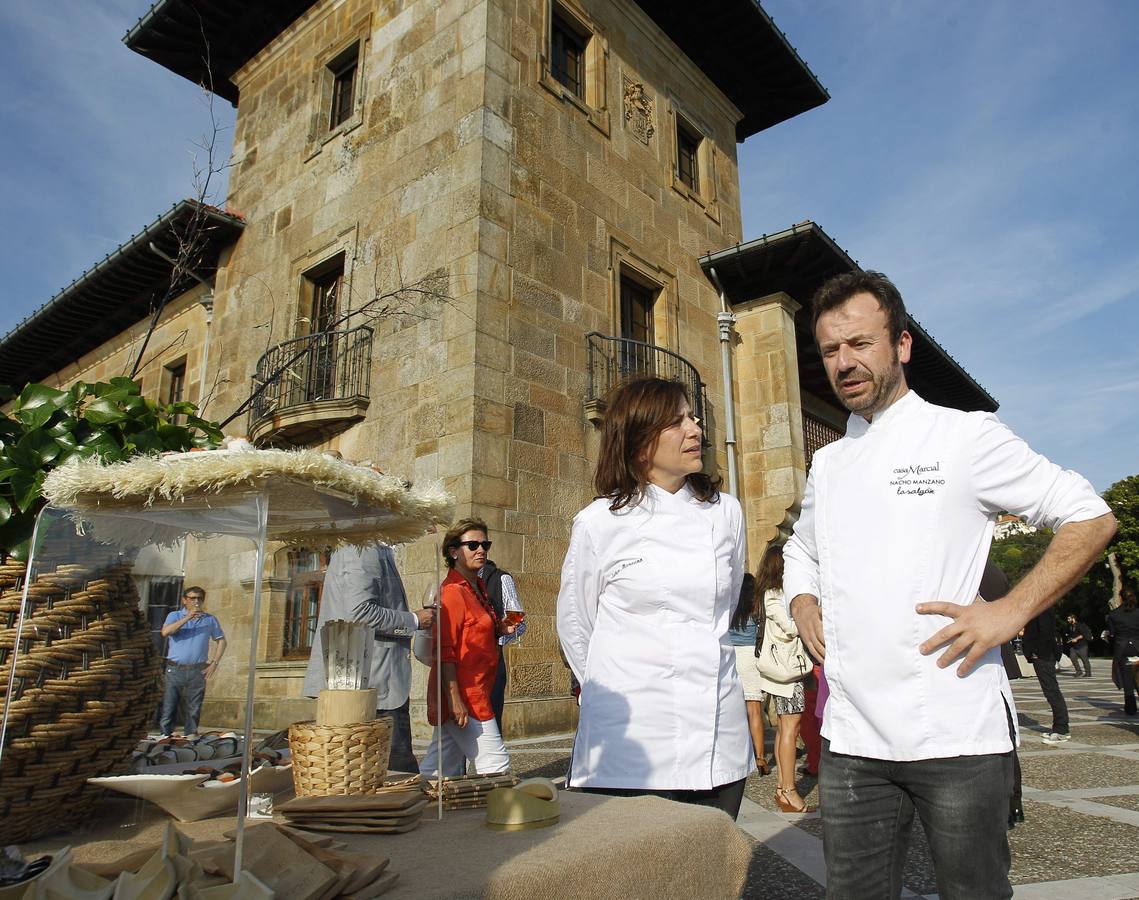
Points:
x=770 y=421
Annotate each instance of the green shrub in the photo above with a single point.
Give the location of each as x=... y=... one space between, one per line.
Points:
x=47 y=427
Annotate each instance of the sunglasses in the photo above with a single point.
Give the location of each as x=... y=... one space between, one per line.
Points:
x=474 y=545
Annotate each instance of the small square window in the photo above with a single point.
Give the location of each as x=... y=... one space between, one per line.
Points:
x=572 y=62
x=344 y=87
x=567 y=56
x=176 y=383
x=687 y=155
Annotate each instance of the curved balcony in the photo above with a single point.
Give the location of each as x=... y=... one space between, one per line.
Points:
x=611 y=360
x=311 y=387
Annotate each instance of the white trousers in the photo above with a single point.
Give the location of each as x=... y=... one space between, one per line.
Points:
x=480 y=742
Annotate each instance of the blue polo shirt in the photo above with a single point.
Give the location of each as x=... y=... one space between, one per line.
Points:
x=191 y=642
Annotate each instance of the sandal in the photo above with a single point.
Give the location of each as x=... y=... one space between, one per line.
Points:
x=785 y=804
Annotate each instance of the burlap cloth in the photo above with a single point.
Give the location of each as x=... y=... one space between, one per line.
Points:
x=641 y=847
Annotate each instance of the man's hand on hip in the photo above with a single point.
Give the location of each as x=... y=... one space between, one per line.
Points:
x=976 y=628
x=808 y=616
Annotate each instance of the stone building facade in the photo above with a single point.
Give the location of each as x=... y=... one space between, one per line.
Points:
x=469 y=154
x=454 y=223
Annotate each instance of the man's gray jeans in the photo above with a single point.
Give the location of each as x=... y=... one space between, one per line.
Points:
x=868 y=807
x=187 y=683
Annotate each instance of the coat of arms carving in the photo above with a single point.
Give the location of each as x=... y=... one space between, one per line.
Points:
x=639 y=109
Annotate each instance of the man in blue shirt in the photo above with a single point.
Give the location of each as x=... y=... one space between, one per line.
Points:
x=189 y=661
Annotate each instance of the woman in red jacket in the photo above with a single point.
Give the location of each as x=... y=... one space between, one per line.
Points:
x=467 y=662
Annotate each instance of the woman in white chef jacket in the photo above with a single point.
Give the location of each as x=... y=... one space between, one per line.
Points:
x=653 y=570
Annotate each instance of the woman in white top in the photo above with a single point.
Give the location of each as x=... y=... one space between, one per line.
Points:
x=653 y=571
x=789 y=695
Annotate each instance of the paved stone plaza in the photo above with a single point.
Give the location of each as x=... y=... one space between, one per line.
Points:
x=1080 y=838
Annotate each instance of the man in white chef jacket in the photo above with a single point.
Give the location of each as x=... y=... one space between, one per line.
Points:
x=881 y=573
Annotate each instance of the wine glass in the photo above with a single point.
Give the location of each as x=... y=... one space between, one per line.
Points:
x=513 y=615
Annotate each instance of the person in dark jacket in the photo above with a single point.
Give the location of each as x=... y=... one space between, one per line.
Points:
x=1040 y=649
x=1123 y=626
x=1079 y=640
x=503 y=595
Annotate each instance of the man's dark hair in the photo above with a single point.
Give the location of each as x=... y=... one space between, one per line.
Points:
x=836 y=291
x=194 y=589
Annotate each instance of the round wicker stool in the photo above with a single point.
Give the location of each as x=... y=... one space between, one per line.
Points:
x=340 y=759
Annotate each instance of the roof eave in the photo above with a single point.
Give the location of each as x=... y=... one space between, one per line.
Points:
x=839 y=261
x=103 y=299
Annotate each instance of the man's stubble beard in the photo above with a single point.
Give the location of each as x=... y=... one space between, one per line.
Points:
x=884 y=389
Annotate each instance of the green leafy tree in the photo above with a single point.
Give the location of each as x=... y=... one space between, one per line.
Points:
x=1123 y=498
x=47 y=427
x=1018 y=553
x=1088 y=600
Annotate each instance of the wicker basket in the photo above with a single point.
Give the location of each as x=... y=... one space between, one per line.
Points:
x=340 y=759
x=87 y=682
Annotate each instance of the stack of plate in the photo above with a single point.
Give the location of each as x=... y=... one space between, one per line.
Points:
x=387 y=812
x=468 y=791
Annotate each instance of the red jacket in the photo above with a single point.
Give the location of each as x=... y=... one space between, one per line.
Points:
x=469 y=639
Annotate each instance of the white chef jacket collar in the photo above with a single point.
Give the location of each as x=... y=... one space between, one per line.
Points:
x=655 y=495
x=856 y=425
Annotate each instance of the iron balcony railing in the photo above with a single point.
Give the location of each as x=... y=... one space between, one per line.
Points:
x=612 y=360
x=328 y=365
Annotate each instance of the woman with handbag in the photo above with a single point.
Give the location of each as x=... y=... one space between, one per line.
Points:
x=783 y=667
x=652 y=574
x=746 y=634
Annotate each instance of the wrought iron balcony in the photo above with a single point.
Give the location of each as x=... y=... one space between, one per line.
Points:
x=310 y=387
x=612 y=360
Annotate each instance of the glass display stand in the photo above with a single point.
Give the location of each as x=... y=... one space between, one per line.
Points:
x=82 y=671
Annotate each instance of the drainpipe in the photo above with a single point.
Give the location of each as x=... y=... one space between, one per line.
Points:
x=727 y=322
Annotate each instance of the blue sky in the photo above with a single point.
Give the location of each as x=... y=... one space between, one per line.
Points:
x=983 y=154
x=95 y=142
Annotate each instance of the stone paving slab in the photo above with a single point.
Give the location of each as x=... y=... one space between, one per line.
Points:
x=771 y=877
x=1064 y=770
x=1123 y=801
x=1059 y=844
x=1105 y=734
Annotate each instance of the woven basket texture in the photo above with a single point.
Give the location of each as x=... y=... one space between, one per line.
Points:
x=340 y=759
x=88 y=681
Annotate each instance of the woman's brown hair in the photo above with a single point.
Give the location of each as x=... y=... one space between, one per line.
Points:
x=770 y=574
x=636 y=413
x=456 y=531
x=745 y=608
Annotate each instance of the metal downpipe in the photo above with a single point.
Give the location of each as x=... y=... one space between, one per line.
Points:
x=726 y=322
